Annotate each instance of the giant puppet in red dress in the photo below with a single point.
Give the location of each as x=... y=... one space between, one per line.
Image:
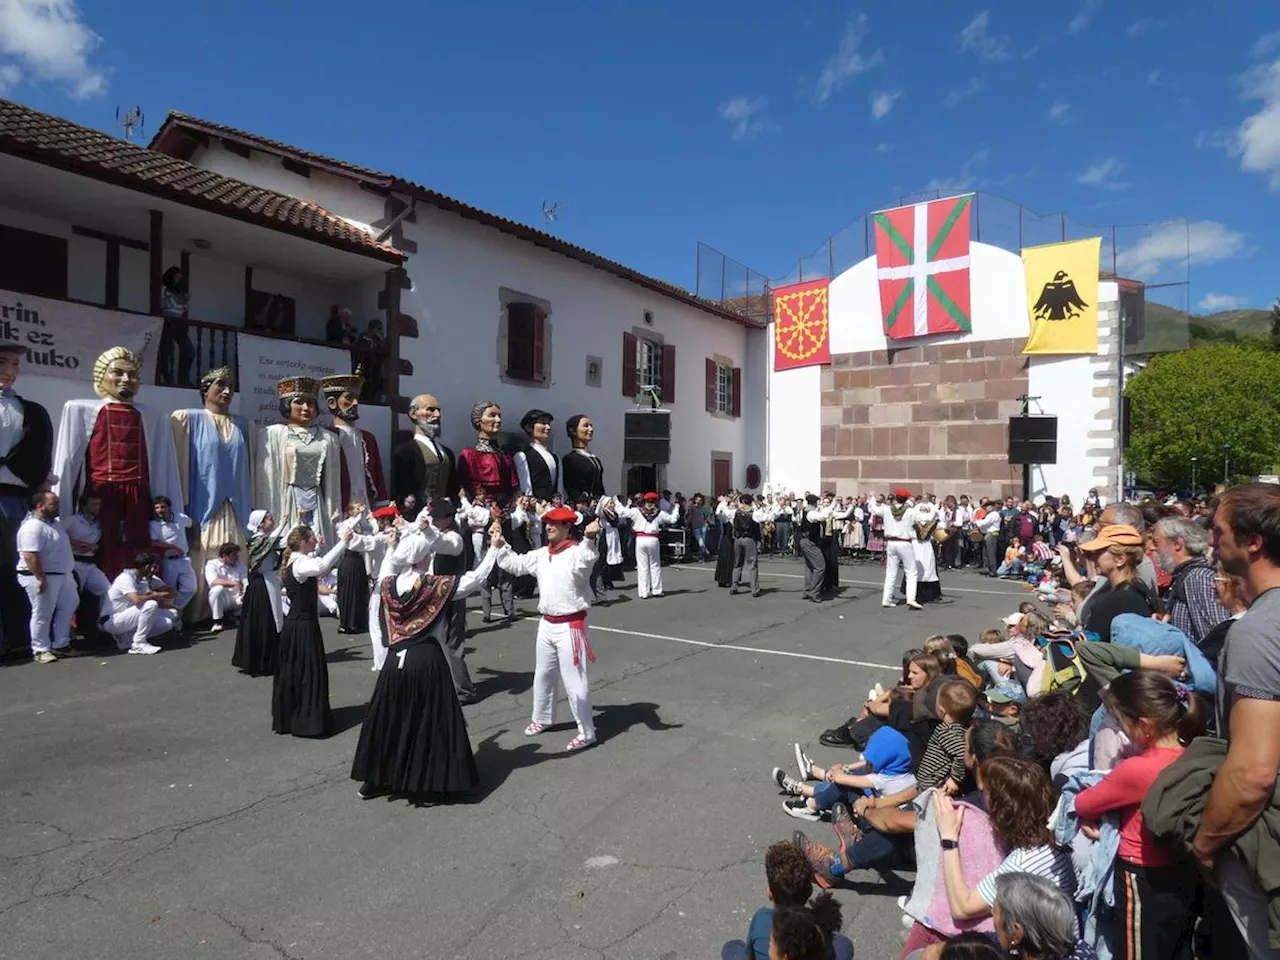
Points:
x=362 y=476
x=122 y=452
x=484 y=466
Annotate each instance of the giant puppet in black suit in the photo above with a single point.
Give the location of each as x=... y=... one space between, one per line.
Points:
x=26 y=452
x=423 y=467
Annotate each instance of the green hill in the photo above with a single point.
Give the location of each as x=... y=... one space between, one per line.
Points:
x=1168 y=328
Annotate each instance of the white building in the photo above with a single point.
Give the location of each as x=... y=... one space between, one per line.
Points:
x=490 y=309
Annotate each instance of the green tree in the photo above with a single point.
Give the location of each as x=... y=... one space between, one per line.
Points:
x=1195 y=402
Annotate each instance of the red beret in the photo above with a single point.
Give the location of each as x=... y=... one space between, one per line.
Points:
x=560 y=515
x=651 y=496
x=902 y=494
x=388 y=512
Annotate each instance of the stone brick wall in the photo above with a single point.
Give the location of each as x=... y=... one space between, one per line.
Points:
x=932 y=417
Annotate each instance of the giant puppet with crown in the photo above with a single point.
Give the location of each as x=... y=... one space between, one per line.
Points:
x=299 y=463
x=122 y=452
x=362 y=478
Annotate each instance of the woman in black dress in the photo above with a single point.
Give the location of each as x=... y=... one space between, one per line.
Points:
x=353 y=579
x=414 y=740
x=258 y=636
x=724 y=552
x=300 y=694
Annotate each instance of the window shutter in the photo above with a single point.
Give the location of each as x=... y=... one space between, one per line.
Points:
x=713 y=386
x=737 y=392
x=538 y=346
x=629 y=385
x=668 y=374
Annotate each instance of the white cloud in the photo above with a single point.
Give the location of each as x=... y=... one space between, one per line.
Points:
x=966 y=179
x=1213 y=302
x=45 y=41
x=1266 y=44
x=1103 y=174
x=885 y=147
x=1080 y=22
x=1139 y=27
x=1258 y=139
x=975 y=39
x=748 y=117
x=848 y=60
x=1060 y=112
x=1153 y=78
x=959 y=95
x=882 y=102
x=1177 y=243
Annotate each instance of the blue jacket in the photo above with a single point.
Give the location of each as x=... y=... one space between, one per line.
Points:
x=1159 y=638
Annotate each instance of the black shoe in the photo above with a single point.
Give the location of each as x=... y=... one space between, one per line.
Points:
x=755 y=593
x=837 y=737
x=368 y=791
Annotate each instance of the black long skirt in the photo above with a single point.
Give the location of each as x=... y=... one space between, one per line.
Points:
x=414 y=739
x=300 y=694
x=257 y=640
x=928 y=591
x=831 y=577
x=724 y=556
x=353 y=594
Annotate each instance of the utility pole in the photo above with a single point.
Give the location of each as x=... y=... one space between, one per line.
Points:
x=1226 y=464
x=1193 y=477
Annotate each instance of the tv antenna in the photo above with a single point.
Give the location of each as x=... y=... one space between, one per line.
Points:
x=130 y=122
x=551 y=210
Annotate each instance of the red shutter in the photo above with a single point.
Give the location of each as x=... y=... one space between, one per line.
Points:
x=668 y=374
x=712 y=385
x=737 y=392
x=629 y=386
x=538 y=346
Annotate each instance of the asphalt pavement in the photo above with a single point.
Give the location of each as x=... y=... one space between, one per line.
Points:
x=150 y=812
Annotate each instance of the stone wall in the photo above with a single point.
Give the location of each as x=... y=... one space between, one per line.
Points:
x=932 y=417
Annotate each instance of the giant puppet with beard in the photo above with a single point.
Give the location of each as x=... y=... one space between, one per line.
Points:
x=423 y=468
x=361 y=479
x=121 y=451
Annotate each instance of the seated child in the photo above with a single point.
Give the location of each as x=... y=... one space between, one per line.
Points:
x=885 y=769
x=943 y=762
x=1014 y=556
x=789 y=886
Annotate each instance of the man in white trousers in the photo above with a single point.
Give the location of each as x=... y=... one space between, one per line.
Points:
x=86 y=535
x=563 y=569
x=169 y=539
x=139 y=606
x=45 y=571
x=226 y=578
x=899 y=532
x=647 y=524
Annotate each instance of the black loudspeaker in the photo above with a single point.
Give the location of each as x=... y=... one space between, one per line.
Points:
x=1033 y=440
x=646 y=437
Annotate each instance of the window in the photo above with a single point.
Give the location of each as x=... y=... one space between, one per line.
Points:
x=648 y=364
x=526 y=342
x=724 y=388
x=33 y=263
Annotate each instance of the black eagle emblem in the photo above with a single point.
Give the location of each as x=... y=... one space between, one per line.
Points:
x=1059 y=300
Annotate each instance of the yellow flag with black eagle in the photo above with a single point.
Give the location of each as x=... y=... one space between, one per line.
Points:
x=1062 y=296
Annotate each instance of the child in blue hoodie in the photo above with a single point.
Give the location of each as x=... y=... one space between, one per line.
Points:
x=885 y=769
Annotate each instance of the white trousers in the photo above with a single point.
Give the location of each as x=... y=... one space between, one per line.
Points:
x=224 y=600
x=477 y=546
x=900 y=557
x=648 y=566
x=179 y=574
x=92 y=579
x=51 y=611
x=138 y=624
x=554 y=648
x=375 y=630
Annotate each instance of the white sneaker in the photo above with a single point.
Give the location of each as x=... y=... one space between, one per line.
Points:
x=217 y=627
x=913 y=605
x=803 y=763
x=144 y=648
x=889 y=605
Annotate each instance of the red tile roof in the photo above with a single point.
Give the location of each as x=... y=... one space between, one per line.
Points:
x=53 y=141
x=174 y=136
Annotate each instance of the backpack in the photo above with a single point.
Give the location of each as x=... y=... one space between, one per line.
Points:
x=1064 y=670
x=1026 y=527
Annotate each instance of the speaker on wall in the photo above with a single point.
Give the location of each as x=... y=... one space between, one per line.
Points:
x=1033 y=440
x=646 y=450
x=646 y=436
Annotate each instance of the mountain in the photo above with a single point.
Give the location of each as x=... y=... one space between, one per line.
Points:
x=1168 y=328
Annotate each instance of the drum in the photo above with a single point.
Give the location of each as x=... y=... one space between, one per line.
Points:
x=975 y=535
x=941 y=536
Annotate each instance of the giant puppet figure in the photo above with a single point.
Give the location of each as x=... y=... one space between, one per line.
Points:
x=583 y=472
x=484 y=466
x=537 y=468
x=362 y=477
x=213 y=447
x=26 y=451
x=423 y=467
x=298 y=463
x=122 y=452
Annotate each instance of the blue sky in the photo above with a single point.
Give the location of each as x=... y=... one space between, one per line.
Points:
x=759 y=128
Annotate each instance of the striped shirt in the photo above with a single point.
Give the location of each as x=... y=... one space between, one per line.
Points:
x=943 y=757
x=1052 y=863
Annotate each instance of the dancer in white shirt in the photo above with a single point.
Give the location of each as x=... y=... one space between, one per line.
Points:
x=226 y=579
x=899 y=520
x=647 y=522
x=169 y=538
x=563 y=568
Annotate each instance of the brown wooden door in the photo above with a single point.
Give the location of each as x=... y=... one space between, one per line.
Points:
x=720 y=470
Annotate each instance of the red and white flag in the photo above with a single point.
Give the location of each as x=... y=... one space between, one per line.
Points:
x=922 y=262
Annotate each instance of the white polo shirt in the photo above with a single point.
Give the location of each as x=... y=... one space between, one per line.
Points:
x=49 y=540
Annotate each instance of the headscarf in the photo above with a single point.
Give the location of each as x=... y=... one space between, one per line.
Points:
x=260 y=544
